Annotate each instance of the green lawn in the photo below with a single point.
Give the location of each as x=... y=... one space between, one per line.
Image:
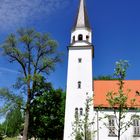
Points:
x=15 y=138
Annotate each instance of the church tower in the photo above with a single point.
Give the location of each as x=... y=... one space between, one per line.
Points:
x=79 y=75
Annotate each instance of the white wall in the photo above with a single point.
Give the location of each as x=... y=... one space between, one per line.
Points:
x=76 y=98
x=102 y=133
x=84 y=32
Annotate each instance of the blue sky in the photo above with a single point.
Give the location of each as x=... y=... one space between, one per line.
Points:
x=115 y=25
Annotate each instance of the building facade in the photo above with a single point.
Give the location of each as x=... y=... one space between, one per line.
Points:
x=81 y=87
x=79 y=75
x=107 y=118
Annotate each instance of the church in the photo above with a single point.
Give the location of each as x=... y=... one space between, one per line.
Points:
x=81 y=87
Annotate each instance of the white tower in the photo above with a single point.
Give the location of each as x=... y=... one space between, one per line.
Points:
x=79 y=76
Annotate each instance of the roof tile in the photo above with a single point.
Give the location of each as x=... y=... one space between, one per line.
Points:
x=102 y=87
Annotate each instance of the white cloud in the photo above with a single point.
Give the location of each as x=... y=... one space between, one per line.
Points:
x=19 y=12
x=3 y=70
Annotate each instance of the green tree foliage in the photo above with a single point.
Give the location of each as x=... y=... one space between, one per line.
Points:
x=47 y=109
x=118 y=100
x=1 y=132
x=82 y=125
x=36 y=54
x=105 y=77
x=11 y=108
x=86 y=122
x=10 y=101
x=13 y=123
x=77 y=128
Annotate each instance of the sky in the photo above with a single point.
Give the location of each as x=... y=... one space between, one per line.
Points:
x=115 y=26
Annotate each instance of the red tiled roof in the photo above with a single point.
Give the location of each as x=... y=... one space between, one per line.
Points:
x=102 y=87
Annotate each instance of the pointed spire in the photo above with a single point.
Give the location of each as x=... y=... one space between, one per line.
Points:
x=82 y=17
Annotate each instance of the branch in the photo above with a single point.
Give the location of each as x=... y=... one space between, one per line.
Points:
x=20 y=62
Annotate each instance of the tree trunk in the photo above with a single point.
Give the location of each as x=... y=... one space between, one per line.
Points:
x=119 y=128
x=85 y=131
x=120 y=111
x=26 y=124
x=27 y=114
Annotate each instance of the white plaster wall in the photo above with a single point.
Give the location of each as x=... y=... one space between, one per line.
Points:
x=77 y=97
x=84 y=32
x=102 y=133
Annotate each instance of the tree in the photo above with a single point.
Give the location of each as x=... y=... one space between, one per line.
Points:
x=36 y=54
x=1 y=132
x=118 y=100
x=105 y=77
x=13 y=123
x=77 y=127
x=11 y=108
x=47 y=111
x=87 y=123
x=82 y=125
x=10 y=101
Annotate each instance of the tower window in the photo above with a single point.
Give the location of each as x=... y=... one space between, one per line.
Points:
x=76 y=111
x=73 y=39
x=87 y=37
x=111 y=127
x=79 y=60
x=80 y=37
x=81 y=111
x=79 y=84
x=136 y=125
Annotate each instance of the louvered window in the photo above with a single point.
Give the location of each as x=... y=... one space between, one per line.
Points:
x=136 y=125
x=111 y=126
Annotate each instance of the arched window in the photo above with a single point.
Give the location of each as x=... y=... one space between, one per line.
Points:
x=111 y=125
x=76 y=111
x=73 y=39
x=87 y=37
x=81 y=111
x=136 y=125
x=79 y=84
x=80 y=37
x=79 y=60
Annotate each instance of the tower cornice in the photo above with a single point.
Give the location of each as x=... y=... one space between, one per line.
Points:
x=86 y=47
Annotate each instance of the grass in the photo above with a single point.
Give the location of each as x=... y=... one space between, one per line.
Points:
x=15 y=138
